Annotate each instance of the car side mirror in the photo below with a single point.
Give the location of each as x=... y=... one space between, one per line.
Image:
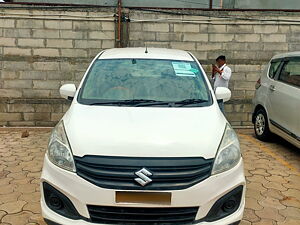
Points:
x=223 y=93
x=67 y=91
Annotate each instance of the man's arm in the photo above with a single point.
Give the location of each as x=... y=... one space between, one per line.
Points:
x=226 y=74
x=217 y=70
x=213 y=71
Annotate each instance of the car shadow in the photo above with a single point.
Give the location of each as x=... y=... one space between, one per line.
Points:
x=279 y=141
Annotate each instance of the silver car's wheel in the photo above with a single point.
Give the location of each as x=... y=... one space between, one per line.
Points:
x=260 y=124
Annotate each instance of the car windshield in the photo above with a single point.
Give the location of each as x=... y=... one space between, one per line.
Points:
x=145 y=82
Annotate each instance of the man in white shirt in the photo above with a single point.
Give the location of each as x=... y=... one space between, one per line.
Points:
x=221 y=75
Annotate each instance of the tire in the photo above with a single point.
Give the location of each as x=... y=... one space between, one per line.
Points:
x=261 y=125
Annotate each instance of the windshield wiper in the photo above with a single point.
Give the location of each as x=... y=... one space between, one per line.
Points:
x=146 y=102
x=104 y=103
x=190 y=101
x=122 y=102
x=171 y=103
x=154 y=103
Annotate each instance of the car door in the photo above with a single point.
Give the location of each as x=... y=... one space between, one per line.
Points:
x=284 y=97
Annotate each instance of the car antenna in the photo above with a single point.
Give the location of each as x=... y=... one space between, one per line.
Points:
x=146 y=51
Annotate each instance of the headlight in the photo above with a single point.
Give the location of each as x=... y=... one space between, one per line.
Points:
x=59 y=151
x=228 y=153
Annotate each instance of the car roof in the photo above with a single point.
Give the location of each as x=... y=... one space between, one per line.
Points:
x=140 y=53
x=288 y=54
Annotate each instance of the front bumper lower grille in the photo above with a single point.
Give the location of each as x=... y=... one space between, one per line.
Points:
x=132 y=216
x=166 y=173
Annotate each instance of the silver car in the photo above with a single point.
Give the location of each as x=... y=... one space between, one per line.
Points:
x=277 y=99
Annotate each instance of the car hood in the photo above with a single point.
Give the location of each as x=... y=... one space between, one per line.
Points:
x=144 y=131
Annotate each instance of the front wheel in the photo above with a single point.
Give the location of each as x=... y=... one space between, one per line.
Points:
x=261 y=125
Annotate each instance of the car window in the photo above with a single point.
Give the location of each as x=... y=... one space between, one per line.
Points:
x=290 y=73
x=151 y=79
x=273 y=68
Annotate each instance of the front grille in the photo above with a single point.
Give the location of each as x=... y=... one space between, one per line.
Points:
x=167 y=173
x=128 y=215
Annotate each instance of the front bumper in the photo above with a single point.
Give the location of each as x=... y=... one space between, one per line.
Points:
x=82 y=193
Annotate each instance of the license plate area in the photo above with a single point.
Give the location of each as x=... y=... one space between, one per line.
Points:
x=159 y=198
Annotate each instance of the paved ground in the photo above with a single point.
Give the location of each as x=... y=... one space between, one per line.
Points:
x=272 y=171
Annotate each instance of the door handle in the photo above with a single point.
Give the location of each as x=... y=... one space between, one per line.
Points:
x=272 y=88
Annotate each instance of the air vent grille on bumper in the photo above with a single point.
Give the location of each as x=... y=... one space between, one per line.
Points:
x=128 y=215
x=166 y=173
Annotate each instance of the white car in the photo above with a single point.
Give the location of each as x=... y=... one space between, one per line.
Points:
x=277 y=99
x=144 y=142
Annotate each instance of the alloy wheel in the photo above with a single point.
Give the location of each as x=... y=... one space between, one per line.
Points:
x=260 y=124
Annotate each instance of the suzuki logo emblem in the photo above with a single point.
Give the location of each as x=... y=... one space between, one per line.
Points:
x=143 y=177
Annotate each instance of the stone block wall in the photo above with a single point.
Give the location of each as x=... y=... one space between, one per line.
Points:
x=248 y=39
x=42 y=49
x=39 y=51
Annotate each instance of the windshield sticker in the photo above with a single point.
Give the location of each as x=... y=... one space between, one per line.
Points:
x=194 y=70
x=183 y=69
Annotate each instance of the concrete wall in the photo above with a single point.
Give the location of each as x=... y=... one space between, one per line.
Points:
x=43 y=49
x=39 y=54
x=239 y=4
x=267 y=4
x=248 y=45
x=134 y=3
